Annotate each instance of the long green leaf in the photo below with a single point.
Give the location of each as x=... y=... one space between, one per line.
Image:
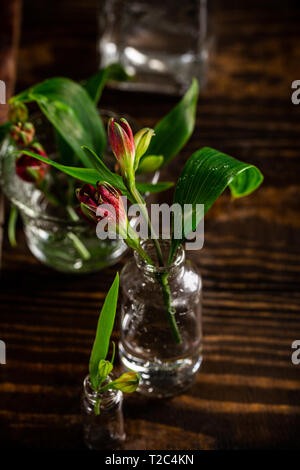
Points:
x=97 y=163
x=87 y=175
x=68 y=106
x=104 y=330
x=91 y=176
x=174 y=130
x=94 y=85
x=204 y=177
x=65 y=151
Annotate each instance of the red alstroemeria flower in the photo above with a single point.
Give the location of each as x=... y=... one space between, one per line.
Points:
x=122 y=144
x=88 y=202
x=110 y=196
x=30 y=169
x=95 y=202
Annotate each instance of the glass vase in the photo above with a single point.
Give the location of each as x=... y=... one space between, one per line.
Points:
x=147 y=344
x=52 y=237
x=162 y=44
x=105 y=430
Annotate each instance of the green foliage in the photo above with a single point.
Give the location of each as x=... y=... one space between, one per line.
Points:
x=95 y=84
x=104 y=330
x=104 y=369
x=69 y=108
x=4 y=129
x=174 y=130
x=203 y=179
x=91 y=175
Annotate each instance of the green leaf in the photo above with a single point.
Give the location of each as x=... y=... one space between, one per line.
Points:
x=97 y=163
x=87 y=175
x=91 y=175
x=105 y=174
x=4 y=129
x=69 y=108
x=66 y=152
x=104 y=330
x=203 y=179
x=94 y=85
x=150 y=163
x=113 y=352
x=104 y=369
x=174 y=130
x=154 y=188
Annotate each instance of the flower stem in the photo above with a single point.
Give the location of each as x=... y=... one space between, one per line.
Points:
x=72 y=213
x=82 y=250
x=139 y=200
x=43 y=187
x=12 y=222
x=163 y=281
x=80 y=247
x=97 y=406
x=161 y=278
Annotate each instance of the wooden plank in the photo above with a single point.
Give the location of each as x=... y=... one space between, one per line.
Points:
x=247 y=392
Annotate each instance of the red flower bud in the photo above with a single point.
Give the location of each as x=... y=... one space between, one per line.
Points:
x=94 y=204
x=30 y=169
x=23 y=134
x=109 y=195
x=122 y=144
x=127 y=383
x=17 y=113
x=88 y=202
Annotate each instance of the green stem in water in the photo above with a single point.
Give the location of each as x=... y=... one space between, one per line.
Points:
x=80 y=247
x=161 y=278
x=97 y=406
x=139 y=200
x=82 y=250
x=72 y=213
x=166 y=292
x=12 y=223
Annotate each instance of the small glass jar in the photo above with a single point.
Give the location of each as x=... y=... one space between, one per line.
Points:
x=106 y=430
x=147 y=345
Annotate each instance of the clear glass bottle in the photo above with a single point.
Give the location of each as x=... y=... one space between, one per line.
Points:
x=147 y=345
x=106 y=430
x=163 y=44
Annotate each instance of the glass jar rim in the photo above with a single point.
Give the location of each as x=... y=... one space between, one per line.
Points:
x=147 y=245
x=108 y=398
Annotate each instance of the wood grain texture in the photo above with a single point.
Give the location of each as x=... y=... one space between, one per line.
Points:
x=247 y=393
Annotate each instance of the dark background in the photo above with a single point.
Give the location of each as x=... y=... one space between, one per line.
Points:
x=247 y=393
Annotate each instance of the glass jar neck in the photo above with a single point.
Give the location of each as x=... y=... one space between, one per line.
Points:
x=171 y=270
x=108 y=399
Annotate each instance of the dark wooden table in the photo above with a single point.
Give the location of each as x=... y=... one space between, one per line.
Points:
x=247 y=393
